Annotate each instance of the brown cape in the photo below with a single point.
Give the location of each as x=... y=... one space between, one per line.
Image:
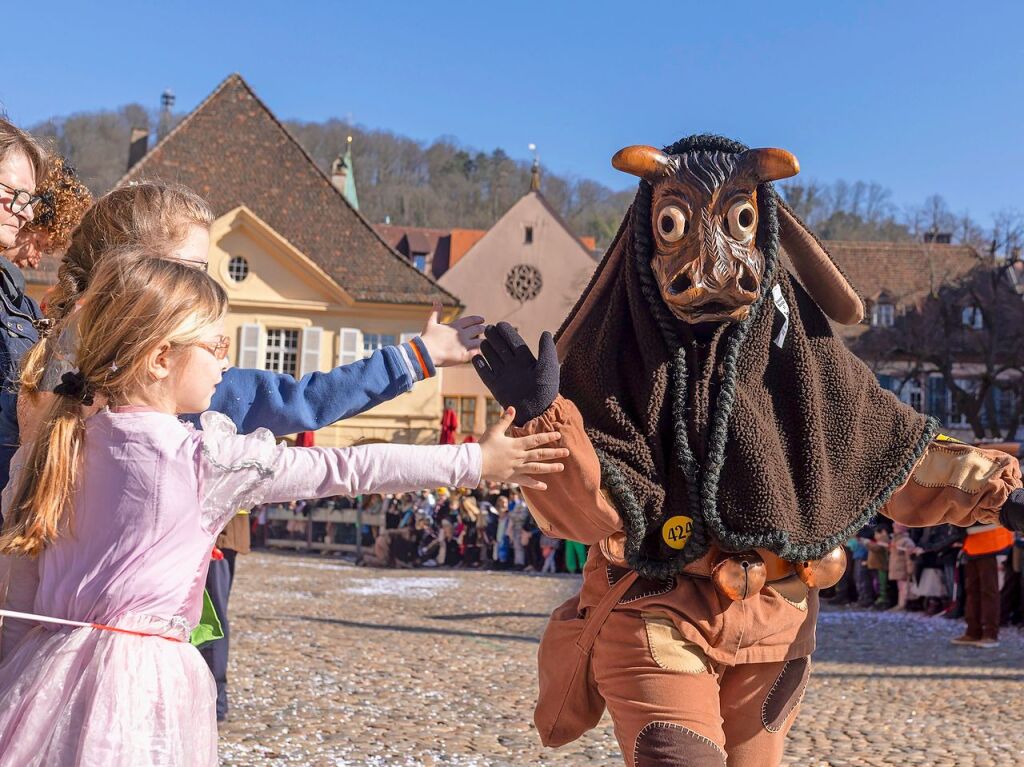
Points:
x=789 y=449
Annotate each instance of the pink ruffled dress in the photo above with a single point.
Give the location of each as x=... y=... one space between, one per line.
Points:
x=154 y=495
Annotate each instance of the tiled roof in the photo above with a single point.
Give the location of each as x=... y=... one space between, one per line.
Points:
x=393 y=233
x=900 y=273
x=444 y=246
x=447 y=246
x=233 y=151
x=462 y=241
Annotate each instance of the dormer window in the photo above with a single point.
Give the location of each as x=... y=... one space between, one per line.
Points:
x=972 y=318
x=883 y=315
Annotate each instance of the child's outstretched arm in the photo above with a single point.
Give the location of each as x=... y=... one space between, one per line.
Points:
x=254 y=399
x=242 y=471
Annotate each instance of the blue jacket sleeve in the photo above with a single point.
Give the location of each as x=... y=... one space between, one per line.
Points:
x=276 y=401
x=9 y=433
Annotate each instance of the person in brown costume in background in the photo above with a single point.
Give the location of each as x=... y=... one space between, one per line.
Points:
x=724 y=444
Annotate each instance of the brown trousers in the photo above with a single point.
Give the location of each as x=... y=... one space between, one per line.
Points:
x=672 y=707
x=982 y=592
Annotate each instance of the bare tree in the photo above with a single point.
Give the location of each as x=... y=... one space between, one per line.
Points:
x=969 y=331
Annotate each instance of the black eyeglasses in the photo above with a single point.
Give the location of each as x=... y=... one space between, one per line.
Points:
x=203 y=266
x=20 y=199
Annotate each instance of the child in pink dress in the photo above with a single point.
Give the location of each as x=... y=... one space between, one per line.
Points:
x=150 y=495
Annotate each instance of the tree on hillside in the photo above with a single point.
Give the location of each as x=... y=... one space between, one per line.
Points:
x=844 y=211
x=97 y=142
x=444 y=184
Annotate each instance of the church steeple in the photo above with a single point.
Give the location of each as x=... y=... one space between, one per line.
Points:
x=535 y=170
x=343 y=176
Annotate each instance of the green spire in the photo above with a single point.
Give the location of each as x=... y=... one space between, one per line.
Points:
x=343 y=176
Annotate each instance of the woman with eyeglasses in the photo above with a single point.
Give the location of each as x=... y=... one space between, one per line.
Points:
x=22 y=164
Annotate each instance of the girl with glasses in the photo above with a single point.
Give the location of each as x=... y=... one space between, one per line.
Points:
x=121 y=508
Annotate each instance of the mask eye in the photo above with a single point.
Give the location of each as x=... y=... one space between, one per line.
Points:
x=672 y=223
x=742 y=219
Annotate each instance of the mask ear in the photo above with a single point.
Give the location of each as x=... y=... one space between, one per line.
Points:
x=817 y=271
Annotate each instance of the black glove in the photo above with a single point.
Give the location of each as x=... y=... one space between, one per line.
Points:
x=1011 y=516
x=515 y=377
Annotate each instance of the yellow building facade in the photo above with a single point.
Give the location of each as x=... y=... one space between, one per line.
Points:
x=311 y=285
x=286 y=314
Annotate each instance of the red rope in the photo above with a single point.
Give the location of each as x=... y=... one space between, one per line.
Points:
x=133 y=633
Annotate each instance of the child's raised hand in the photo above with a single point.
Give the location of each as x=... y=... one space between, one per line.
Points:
x=454 y=343
x=515 y=459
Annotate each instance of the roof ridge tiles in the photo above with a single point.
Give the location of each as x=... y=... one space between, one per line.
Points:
x=293 y=218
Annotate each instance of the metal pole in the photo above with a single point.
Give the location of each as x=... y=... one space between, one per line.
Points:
x=359 y=531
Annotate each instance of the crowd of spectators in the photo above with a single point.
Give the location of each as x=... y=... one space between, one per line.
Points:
x=932 y=570
x=489 y=528
x=890 y=567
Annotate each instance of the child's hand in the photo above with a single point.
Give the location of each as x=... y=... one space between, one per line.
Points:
x=451 y=344
x=512 y=459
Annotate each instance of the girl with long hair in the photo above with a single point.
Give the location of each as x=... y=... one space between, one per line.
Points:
x=121 y=507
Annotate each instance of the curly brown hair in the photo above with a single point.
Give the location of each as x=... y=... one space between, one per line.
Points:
x=64 y=201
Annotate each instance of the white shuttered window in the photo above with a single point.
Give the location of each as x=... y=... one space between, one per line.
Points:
x=310 y=350
x=350 y=345
x=249 y=355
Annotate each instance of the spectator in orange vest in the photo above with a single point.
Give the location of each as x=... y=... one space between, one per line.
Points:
x=984 y=543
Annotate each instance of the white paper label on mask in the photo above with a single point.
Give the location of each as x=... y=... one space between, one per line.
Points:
x=783 y=307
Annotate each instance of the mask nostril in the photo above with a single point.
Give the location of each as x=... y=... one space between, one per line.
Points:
x=747 y=281
x=680 y=284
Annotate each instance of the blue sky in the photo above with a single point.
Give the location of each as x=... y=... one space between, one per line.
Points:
x=921 y=97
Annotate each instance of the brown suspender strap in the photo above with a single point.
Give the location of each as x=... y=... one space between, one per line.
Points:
x=601 y=611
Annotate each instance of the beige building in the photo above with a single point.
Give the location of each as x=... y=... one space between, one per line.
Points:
x=311 y=284
x=527 y=270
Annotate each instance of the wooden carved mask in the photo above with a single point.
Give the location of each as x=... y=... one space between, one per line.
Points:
x=704 y=222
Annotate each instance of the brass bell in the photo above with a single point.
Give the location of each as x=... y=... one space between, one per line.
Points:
x=825 y=572
x=614 y=549
x=740 y=576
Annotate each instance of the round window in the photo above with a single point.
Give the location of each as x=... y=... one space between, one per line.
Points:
x=238 y=268
x=523 y=282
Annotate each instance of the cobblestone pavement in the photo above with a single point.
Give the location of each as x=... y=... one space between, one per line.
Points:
x=334 y=665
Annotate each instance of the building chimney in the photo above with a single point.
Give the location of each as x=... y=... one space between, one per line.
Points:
x=339 y=173
x=167 y=99
x=939 y=238
x=137 y=146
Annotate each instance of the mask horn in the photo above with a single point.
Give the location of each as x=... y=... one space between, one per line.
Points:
x=646 y=162
x=769 y=164
x=817 y=271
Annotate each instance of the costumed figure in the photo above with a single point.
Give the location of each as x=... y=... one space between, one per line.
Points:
x=724 y=445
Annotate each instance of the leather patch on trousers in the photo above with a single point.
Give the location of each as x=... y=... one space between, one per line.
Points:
x=664 y=744
x=668 y=648
x=785 y=694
